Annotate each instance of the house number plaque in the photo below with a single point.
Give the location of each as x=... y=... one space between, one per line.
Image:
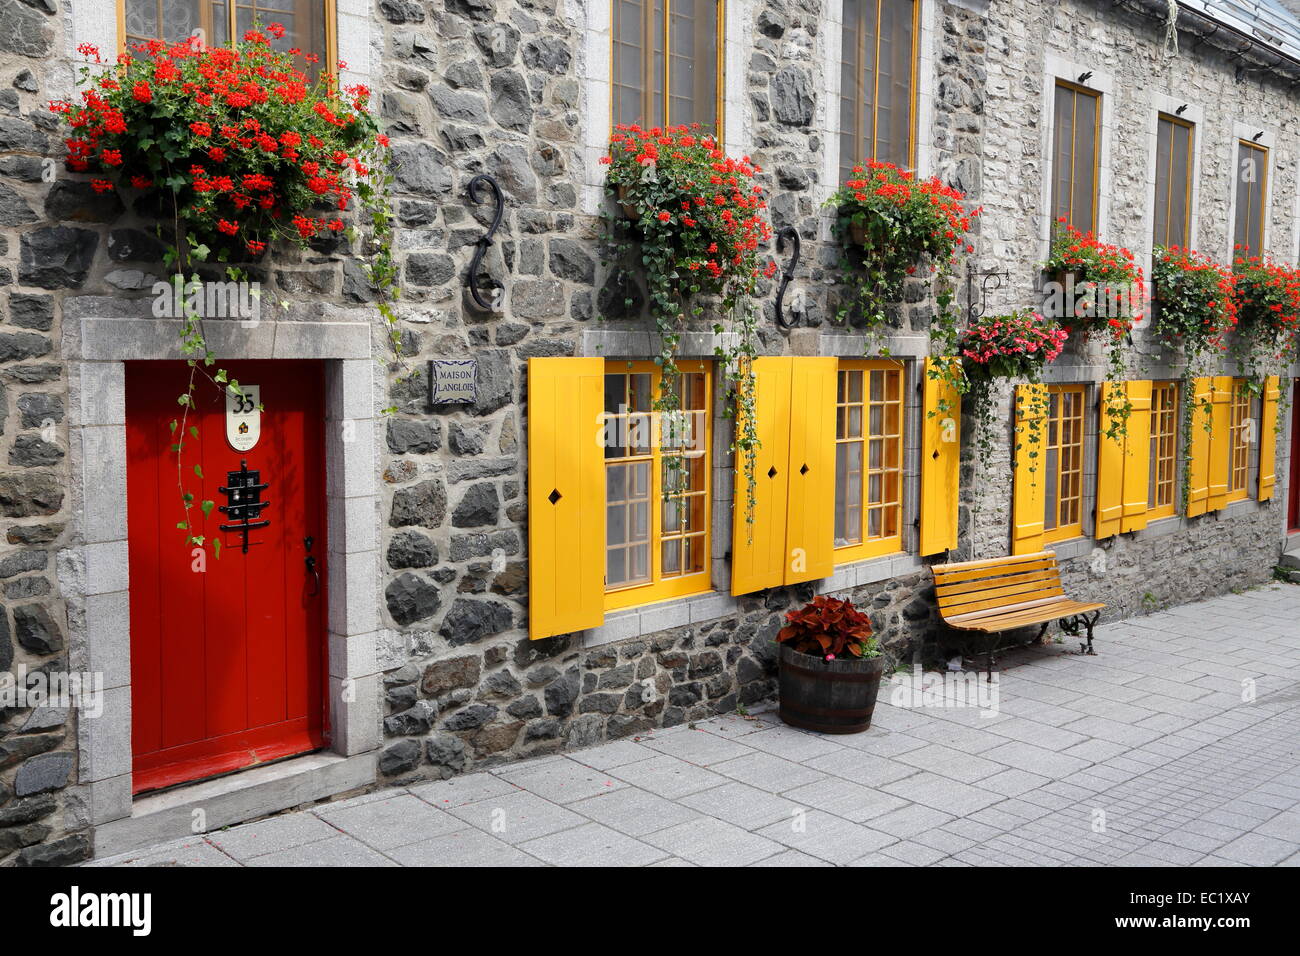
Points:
x=452 y=381
x=244 y=417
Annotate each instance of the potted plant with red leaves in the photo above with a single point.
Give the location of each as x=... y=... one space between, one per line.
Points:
x=830 y=667
x=695 y=218
x=887 y=220
x=1096 y=289
x=236 y=148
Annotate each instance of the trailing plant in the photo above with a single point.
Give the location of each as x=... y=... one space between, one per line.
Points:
x=1101 y=293
x=1012 y=347
x=1267 y=300
x=886 y=221
x=697 y=219
x=828 y=627
x=238 y=148
x=1196 y=310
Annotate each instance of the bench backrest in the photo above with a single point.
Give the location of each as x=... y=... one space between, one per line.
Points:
x=973 y=586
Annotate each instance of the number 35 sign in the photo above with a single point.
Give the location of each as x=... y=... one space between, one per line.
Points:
x=244 y=417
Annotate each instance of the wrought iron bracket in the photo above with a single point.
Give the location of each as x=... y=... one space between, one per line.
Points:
x=484 y=241
x=989 y=282
x=791 y=234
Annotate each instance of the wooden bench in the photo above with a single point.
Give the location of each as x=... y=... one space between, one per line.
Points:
x=1006 y=593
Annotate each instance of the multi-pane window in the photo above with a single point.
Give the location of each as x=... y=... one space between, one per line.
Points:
x=1162 y=485
x=305 y=22
x=1252 y=198
x=1174 y=149
x=1063 y=462
x=656 y=484
x=1076 y=145
x=878 y=82
x=1239 y=440
x=868 y=459
x=687 y=88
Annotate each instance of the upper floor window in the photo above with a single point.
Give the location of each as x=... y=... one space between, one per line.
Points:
x=1252 y=198
x=1162 y=483
x=684 y=90
x=878 y=83
x=1174 y=150
x=1076 y=155
x=657 y=545
x=868 y=459
x=1063 y=462
x=306 y=24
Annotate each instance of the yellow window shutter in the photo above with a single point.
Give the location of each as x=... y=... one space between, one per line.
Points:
x=1030 y=486
x=810 y=512
x=758 y=550
x=566 y=495
x=1268 y=438
x=940 y=459
x=1137 y=457
x=1198 y=468
x=1110 y=465
x=1220 y=441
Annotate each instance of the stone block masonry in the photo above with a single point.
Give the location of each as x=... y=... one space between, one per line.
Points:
x=504 y=87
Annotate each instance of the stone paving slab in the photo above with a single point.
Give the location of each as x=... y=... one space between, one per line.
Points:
x=1175 y=746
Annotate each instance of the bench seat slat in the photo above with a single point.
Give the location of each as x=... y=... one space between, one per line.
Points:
x=945 y=578
x=1001 y=602
x=1012 y=585
x=1040 y=614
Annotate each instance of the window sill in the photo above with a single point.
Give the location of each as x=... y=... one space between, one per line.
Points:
x=646 y=619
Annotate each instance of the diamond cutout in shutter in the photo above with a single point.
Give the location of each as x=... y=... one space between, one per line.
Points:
x=771 y=472
x=804 y=470
x=554 y=496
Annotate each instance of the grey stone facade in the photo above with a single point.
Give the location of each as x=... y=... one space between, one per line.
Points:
x=503 y=86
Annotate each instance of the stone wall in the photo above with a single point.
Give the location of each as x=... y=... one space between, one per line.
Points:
x=497 y=86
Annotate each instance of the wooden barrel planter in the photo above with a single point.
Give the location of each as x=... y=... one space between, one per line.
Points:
x=831 y=697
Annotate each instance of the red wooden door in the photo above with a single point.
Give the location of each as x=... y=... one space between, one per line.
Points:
x=226 y=652
x=1293 y=484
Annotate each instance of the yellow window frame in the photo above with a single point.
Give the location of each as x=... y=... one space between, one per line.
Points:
x=1164 y=451
x=1078 y=91
x=659 y=588
x=330 y=54
x=1238 y=449
x=1183 y=240
x=873 y=547
x=648 y=70
x=1054 y=425
x=866 y=141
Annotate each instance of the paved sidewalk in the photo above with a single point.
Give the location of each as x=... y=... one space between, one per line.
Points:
x=1146 y=754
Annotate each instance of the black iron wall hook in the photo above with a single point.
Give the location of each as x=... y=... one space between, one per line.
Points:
x=792 y=234
x=471 y=280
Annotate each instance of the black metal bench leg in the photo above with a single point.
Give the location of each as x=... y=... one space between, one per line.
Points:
x=993 y=640
x=1041 y=631
x=1090 y=623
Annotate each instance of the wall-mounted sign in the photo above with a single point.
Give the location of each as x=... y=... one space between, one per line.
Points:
x=244 y=417
x=452 y=381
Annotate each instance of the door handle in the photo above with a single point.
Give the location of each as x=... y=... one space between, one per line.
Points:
x=311 y=568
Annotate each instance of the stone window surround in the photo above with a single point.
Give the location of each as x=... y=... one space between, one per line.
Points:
x=828 y=107
x=1194 y=114
x=1059 y=68
x=640 y=620
x=1247 y=132
x=595 y=69
x=96 y=349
